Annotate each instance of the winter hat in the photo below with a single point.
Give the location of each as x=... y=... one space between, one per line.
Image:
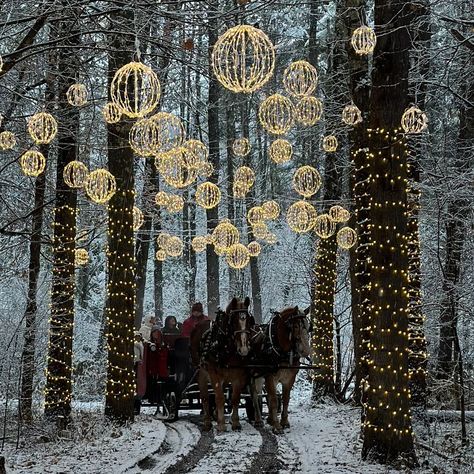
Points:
x=155 y=328
x=197 y=307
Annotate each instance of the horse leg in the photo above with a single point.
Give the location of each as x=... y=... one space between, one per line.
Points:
x=217 y=385
x=271 y=386
x=255 y=390
x=287 y=385
x=202 y=381
x=237 y=386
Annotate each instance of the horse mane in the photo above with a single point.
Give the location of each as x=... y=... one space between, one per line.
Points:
x=284 y=313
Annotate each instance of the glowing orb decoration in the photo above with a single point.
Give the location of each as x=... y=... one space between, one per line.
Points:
x=170 y=131
x=255 y=215
x=243 y=59
x=339 y=214
x=160 y=255
x=199 y=149
x=324 y=226
x=42 y=128
x=7 y=140
x=330 y=143
x=75 y=174
x=175 y=203
x=32 y=163
x=300 y=78
x=161 y=198
x=260 y=230
x=245 y=176
x=306 y=181
x=308 y=110
x=225 y=234
x=135 y=89
x=281 y=151
x=162 y=239
x=138 y=218
x=174 y=247
x=178 y=167
x=239 y=191
x=414 y=120
x=100 y=185
x=276 y=114
x=237 y=256
x=271 y=210
x=364 y=40
x=241 y=147
x=271 y=238
x=346 y=238
x=111 y=113
x=76 y=95
x=351 y=115
x=143 y=137
x=254 y=249
x=220 y=250
x=199 y=243
x=208 y=195
x=301 y=216
x=205 y=169
x=81 y=257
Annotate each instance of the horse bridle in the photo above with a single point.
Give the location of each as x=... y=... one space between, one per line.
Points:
x=247 y=314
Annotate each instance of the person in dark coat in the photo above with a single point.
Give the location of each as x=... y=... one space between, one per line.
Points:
x=156 y=356
x=197 y=315
x=171 y=326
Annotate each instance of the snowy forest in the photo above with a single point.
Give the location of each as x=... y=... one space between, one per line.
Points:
x=236 y=236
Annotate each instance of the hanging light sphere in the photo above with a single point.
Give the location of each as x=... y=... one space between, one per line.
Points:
x=281 y=151
x=209 y=239
x=346 y=238
x=245 y=176
x=414 y=120
x=42 y=128
x=271 y=238
x=76 y=95
x=339 y=214
x=170 y=131
x=81 y=257
x=300 y=78
x=205 y=169
x=351 y=115
x=324 y=226
x=306 y=181
x=221 y=251
x=271 y=210
x=100 y=185
x=199 y=243
x=225 y=234
x=75 y=174
x=255 y=215
x=260 y=230
x=254 y=249
x=175 y=203
x=308 y=110
x=301 y=217
x=208 y=195
x=276 y=114
x=7 y=140
x=241 y=147
x=237 y=256
x=161 y=198
x=199 y=149
x=330 y=143
x=174 y=247
x=111 y=113
x=160 y=255
x=178 y=167
x=162 y=239
x=364 y=40
x=135 y=89
x=138 y=218
x=143 y=137
x=32 y=163
x=243 y=59
x=239 y=190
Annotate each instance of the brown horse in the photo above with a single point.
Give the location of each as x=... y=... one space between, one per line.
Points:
x=279 y=347
x=220 y=350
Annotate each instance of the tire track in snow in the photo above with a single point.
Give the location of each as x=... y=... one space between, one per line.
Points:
x=288 y=456
x=267 y=459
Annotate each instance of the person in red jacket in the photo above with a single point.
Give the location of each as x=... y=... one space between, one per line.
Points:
x=197 y=315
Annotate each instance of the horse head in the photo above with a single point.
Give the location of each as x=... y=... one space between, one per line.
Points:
x=240 y=324
x=293 y=330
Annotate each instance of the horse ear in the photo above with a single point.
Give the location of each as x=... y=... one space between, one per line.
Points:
x=247 y=302
x=307 y=310
x=296 y=309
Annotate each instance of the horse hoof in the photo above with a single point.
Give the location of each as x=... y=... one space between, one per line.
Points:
x=222 y=428
x=258 y=424
x=237 y=427
x=285 y=424
x=207 y=427
x=278 y=430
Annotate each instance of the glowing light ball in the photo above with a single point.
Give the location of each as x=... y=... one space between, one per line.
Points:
x=138 y=218
x=300 y=78
x=271 y=209
x=306 y=181
x=346 y=238
x=42 y=128
x=76 y=95
x=339 y=214
x=75 y=174
x=32 y=163
x=324 y=226
x=309 y=110
x=414 y=120
x=100 y=185
x=281 y=151
x=111 y=113
x=241 y=147
x=254 y=249
x=364 y=40
x=81 y=257
x=237 y=256
x=276 y=114
x=208 y=195
x=301 y=217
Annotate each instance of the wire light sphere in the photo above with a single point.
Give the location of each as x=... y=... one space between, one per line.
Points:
x=254 y=249
x=324 y=226
x=306 y=181
x=143 y=137
x=280 y=151
x=245 y=176
x=205 y=169
x=160 y=255
x=111 y=113
x=161 y=198
x=300 y=78
x=162 y=239
x=301 y=217
x=225 y=234
x=237 y=256
x=339 y=213
x=138 y=218
x=260 y=230
x=100 y=186
x=308 y=110
x=346 y=238
x=76 y=95
x=81 y=257
x=174 y=247
x=199 y=243
x=75 y=174
x=208 y=195
x=255 y=215
x=42 y=128
x=276 y=114
x=271 y=210
x=32 y=163
x=330 y=144
x=178 y=167
x=414 y=120
x=135 y=89
x=199 y=149
x=7 y=140
x=241 y=147
x=364 y=40
x=351 y=115
x=243 y=59
x=175 y=203
x=170 y=131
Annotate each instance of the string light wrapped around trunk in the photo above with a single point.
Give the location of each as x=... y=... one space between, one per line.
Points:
x=260 y=230
x=135 y=89
x=208 y=195
x=100 y=185
x=7 y=140
x=306 y=181
x=237 y=256
x=339 y=213
x=178 y=167
x=281 y=151
x=161 y=198
x=276 y=114
x=111 y=113
x=75 y=174
x=255 y=215
x=346 y=238
x=414 y=120
x=271 y=210
x=175 y=203
x=42 y=128
x=138 y=218
x=243 y=59
x=364 y=40
x=81 y=257
x=241 y=147
x=32 y=163
x=308 y=110
x=330 y=144
x=170 y=131
x=225 y=234
x=301 y=216
x=76 y=95
x=324 y=226
x=300 y=78
x=162 y=239
x=160 y=255
x=174 y=247
x=254 y=249
x=199 y=243
x=143 y=137
x=351 y=115
x=245 y=176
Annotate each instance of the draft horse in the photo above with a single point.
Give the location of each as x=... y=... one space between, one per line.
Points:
x=220 y=349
